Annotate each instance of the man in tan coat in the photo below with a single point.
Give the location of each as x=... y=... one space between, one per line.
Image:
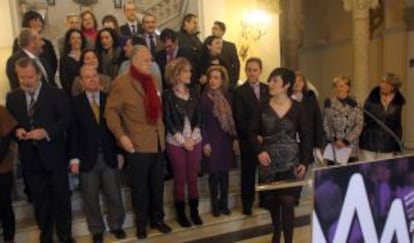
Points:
x=133 y=113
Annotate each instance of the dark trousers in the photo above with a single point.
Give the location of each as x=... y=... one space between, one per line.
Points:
x=249 y=164
x=51 y=199
x=105 y=179
x=219 y=181
x=146 y=180
x=6 y=209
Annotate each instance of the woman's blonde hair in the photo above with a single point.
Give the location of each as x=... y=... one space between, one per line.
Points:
x=173 y=69
x=224 y=75
x=392 y=79
x=341 y=77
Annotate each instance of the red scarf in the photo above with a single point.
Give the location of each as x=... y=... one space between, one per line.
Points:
x=152 y=102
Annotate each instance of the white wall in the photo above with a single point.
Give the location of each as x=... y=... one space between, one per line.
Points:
x=231 y=12
x=7 y=27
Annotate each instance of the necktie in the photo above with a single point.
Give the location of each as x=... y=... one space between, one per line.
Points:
x=31 y=110
x=152 y=45
x=95 y=108
x=256 y=89
x=170 y=56
x=134 y=30
x=42 y=69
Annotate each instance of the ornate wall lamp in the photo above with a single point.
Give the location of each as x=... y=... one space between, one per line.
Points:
x=254 y=26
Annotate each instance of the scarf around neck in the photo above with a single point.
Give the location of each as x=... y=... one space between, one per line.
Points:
x=222 y=111
x=152 y=102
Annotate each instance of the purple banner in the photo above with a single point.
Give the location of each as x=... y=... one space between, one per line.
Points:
x=365 y=202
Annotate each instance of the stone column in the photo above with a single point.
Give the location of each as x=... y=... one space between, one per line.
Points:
x=360 y=24
x=293 y=32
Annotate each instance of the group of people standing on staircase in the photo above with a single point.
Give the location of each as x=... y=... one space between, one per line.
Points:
x=135 y=101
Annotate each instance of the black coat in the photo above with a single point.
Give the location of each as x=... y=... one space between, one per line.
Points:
x=314 y=119
x=161 y=60
x=245 y=104
x=190 y=42
x=229 y=55
x=48 y=57
x=68 y=71
x=52 y=114
x=87 y=136
x=176 y=109
x=374 y=137
x=126 y=31
x=12 y=75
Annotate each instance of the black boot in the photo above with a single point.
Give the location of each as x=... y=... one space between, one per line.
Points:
x=195 y=216
x=181 y=218
x=213 y=186
x=224 y=193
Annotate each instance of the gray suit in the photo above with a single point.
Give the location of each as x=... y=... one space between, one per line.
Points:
x=94 y=145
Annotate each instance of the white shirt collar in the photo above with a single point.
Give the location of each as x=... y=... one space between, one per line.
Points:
x=92 y=94
x=31 y=55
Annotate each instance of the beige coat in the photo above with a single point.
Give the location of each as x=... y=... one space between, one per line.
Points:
x=125 y=115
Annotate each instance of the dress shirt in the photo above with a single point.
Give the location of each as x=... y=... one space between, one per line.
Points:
x=256 y=89
x=35 y=95
x=133 y=27
x=38 y=63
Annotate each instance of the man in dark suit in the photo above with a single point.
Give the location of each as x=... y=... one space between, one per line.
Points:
x=188 y=36
x=93 y=154
x=31 y=45
x=133 y=25
x=149 y=26
x=247 y=100
x=170 y=52
x=33 y=20
x=43 y=117
x=228 y=53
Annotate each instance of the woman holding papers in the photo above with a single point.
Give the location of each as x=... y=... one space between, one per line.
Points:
x=283 y=155
x=307 y=97
x=342 y=122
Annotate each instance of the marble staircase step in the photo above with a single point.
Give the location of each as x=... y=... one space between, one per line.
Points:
x=23 y=209
x=27 y=230
x=212 y=226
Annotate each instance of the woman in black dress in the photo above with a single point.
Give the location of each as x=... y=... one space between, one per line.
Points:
x=282 y=142
x=69 y=66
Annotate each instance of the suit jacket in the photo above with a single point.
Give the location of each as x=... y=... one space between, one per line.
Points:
x=125 y=31
x=54 y=115
x=12 y=75
x=48 y=56
x=161 y=60
x=87 y=137
x=245 y=104
x=158 y=45
x=229 y=55
x=125 y=115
